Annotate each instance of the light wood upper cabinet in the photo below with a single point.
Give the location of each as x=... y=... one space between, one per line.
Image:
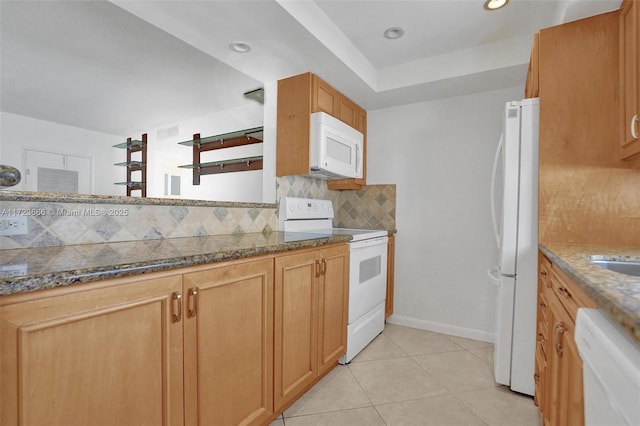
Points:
x=228 y=344
x=629 y=80
x=532 y=85
x=558 y=366
x=324 y=98
x=101 y=356
x=310 y=318
x=298 y=97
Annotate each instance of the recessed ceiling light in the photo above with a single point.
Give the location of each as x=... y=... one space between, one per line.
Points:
x=240 y=47
x=393 y=33
x=495 y=4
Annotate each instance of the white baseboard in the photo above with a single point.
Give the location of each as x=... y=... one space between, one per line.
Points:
x=437 y=327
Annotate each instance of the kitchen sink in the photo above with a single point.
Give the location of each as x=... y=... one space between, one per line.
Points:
x=628 y=267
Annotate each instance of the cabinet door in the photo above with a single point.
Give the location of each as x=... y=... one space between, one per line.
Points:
x=105 y=356
x=391 y=261
x=348 y=112
x=296 y=325
x=228 y=332
x=629 y=75
x=324 y=98
x=567 y=406
x=332 y=309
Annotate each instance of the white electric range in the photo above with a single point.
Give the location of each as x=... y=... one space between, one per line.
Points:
x=367 y=265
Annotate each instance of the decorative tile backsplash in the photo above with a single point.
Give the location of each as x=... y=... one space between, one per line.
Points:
x=69 y=223
x=303 y=187
x=373 y=207
x=57 y=224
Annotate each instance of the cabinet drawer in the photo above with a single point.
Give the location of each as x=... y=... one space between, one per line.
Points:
x=545 y=271
x=569 y=295
x=539 y=379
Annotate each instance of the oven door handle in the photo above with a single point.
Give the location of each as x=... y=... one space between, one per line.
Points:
x=368 y=243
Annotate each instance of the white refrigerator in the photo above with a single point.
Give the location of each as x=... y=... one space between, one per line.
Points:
x=514 y=203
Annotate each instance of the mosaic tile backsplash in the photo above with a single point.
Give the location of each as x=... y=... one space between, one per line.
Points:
x=70 y=223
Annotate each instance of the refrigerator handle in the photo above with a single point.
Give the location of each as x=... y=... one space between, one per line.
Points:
x=494 y=218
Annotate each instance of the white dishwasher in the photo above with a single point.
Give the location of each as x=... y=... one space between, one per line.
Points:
x=611 y=371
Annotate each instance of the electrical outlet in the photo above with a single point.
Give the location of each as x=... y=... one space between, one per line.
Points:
x=13 y=270
x=13 y=225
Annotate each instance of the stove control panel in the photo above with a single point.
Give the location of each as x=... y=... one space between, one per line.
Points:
x=293 y=208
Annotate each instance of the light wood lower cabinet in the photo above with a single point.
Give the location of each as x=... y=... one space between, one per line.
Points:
x=391 y=262
x=228 y=344
x=559 y=387
x=191 y=347
x=311 y=290
x=105 y=356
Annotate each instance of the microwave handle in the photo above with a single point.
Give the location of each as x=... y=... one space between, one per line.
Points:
x=357 y=159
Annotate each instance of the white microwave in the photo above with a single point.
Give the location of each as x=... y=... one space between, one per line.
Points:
x=336 y=148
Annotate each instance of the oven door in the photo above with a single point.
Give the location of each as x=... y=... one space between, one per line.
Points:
x=367 y=275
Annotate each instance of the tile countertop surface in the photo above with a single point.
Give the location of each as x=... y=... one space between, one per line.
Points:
x=30 y=269
x=617 y=295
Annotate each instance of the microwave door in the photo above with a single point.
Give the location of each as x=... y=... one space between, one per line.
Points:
x=340 y=155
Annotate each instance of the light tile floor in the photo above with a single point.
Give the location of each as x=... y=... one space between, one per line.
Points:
x=413 y=377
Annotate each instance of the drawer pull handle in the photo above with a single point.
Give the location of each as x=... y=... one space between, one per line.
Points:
x=564 y=292
x=559 y=333
x=193 y=302
x=176 y=300
x=634 y=133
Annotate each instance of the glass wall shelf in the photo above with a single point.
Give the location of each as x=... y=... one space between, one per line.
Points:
x=225 y=140
x=223 y=163
x=139 y=166
x=133 y=164
x=129 y=144
x=131 y=185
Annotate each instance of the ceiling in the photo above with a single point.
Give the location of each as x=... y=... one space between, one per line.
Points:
x=122 y=65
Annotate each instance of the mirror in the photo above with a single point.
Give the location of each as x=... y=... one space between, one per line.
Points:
x=81 y=77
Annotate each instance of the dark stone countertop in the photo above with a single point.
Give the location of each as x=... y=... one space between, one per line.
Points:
x=617 y=295
x=30 y=269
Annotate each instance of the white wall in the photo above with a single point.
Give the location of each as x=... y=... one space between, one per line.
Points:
x=440 y=155
x=19 y=133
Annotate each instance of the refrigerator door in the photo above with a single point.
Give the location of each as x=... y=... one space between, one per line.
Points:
x=524 y=313
x=510 y=190
x=504 y=330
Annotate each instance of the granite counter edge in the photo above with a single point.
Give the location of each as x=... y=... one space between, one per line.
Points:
x=619 y=314
x=81 y=276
